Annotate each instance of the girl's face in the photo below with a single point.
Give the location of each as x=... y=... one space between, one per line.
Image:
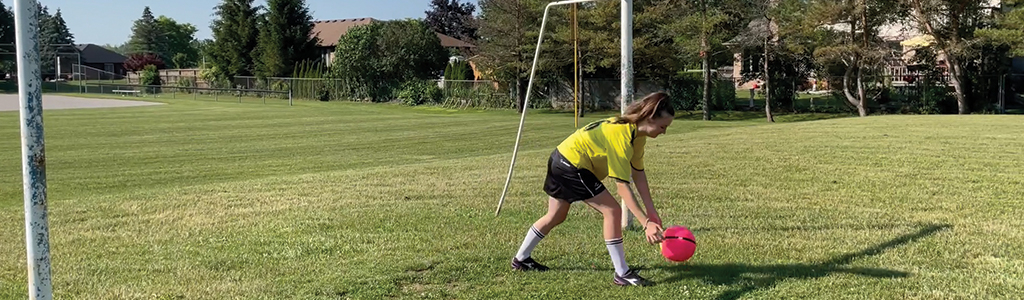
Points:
x=654 y=127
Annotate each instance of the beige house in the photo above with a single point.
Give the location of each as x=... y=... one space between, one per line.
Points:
x=903 y=39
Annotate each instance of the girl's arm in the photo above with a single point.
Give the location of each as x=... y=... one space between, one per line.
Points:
x=626 y=193
x=652 y=230
x=640 y=180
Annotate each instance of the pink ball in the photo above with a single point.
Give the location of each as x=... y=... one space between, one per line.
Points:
x=679 y=244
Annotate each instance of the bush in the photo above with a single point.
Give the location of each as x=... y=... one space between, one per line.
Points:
x=150 y=76
x=687 y=92
x=418 y=92
x=458 y=70
x=381 y=56
x=139 y=61
x=185 y=83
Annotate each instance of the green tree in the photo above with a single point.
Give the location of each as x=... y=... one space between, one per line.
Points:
x=381 y=56
x=179 y=47
x=1009 y=29
x=700 y=28
x=55 y=36
x=449 y=17
x=953 y=24
x=852 y=46
x=285 y=38
x=147 y=36
x=235 y=36
x=508 y=32
x=120 y=49
x=7 y=36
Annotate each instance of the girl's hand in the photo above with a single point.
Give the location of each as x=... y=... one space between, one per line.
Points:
x=654 y=232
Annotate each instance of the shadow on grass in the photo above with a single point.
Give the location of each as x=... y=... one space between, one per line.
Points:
x=745 y=278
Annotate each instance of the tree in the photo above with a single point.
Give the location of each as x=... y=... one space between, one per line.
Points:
x=761 y=33
x=179 y=38
x=147 y=36
x=138 y=61
x=120 y=49
x=381 y=56
x=449 y=17
x=1009 y=29
x=235 y=36
x=508 y=31
x=853 y=45
x=7 y=36
x=700 y=31
x=51 y=34
x=285 y=38
x=203 y=48
x=952 y=24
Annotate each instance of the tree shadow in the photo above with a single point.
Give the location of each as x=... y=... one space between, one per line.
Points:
x=745 y=278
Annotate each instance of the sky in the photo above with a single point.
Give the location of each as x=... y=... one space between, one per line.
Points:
x=110 y=21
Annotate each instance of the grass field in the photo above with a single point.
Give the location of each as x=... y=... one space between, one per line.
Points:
x=207 y=200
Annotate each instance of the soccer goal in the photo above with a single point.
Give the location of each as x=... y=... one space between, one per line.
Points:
x=625 y=92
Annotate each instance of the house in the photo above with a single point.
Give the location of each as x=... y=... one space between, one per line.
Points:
x=901 y=37
x=97 y=63
x=330 y=31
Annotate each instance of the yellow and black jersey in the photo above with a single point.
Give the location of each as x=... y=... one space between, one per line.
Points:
x=605 y=148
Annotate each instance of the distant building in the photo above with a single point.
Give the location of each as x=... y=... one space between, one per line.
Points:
x=330 y=31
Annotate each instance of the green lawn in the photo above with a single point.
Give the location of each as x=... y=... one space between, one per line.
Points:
x=208 y=200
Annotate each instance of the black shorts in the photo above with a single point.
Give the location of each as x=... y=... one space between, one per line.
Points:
x=568 y=183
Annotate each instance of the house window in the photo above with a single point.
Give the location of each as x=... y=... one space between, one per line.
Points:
x=109 y=67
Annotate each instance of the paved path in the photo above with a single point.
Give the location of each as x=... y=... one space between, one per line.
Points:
x=10 y=102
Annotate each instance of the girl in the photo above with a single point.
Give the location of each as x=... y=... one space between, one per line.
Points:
x=612 y=147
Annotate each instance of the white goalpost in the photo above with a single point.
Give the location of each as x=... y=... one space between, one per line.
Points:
x=37 y=236
x=626 y=82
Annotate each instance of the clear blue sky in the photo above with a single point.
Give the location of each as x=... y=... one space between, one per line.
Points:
x=110 y=21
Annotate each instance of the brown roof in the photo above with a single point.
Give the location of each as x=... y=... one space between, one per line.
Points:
x=329 y=31
x=451 y=42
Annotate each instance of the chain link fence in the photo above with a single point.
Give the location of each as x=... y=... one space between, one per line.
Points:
x=906 y=93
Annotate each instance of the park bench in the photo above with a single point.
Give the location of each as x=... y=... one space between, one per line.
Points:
x=126 y=92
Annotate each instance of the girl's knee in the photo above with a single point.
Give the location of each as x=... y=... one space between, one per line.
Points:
x=612 y=212
x=557 y=217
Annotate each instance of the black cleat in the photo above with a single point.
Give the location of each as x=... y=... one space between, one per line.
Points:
x=631 y=278
x=527 y=264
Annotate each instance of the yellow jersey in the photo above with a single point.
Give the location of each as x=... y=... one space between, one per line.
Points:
x=606 y=149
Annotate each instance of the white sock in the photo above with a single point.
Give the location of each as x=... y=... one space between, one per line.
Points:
x=533 y=236
x=618 y=255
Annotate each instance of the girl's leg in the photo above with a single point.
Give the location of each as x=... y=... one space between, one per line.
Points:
x=557 y=211
x=612 y=212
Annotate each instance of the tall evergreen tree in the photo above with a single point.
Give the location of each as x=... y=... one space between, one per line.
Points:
x=47 y=54
x=235 y=36
x=54 y=36
x=146 y=35
x=285 y=38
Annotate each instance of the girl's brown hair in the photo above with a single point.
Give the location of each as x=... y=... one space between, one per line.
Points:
x=655 y=104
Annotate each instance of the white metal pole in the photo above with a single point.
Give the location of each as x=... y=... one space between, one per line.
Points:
x=626 y=91
x=37 y=237
x=526 y=102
